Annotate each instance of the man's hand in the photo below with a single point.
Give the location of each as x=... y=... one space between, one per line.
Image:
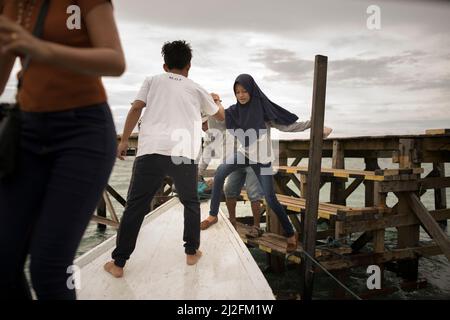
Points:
x=216 y=97
x=122 y=150
x=326 y=132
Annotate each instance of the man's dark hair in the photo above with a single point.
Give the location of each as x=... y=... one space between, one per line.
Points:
x=177 y=54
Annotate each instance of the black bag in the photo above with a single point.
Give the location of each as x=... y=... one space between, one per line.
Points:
x=9 y=138
x=10 y=114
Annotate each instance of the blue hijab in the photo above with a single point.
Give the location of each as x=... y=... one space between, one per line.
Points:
x=255 y=113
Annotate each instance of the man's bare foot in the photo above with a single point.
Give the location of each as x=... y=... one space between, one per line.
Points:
x=192 y=259
x=111 y=268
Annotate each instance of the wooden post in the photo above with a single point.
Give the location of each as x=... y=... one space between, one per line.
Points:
x=337 y=190
x=432 y=227
x=314 y=171
x=371 y=165
x=369 y=201
x=276 y=263
x=440 y=199
x=407 y=236
x=378 y=235
x=101 y=212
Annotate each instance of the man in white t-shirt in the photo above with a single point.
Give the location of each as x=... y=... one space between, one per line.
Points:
x=169 y=144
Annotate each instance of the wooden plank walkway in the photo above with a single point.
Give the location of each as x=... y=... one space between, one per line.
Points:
x=158 y=270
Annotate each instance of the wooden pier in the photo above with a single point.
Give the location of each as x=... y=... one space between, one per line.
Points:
x=359 y=232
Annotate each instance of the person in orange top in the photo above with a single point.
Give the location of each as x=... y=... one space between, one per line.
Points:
x=68 y=138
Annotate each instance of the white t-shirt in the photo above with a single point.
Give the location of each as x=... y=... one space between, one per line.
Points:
x=172 y=123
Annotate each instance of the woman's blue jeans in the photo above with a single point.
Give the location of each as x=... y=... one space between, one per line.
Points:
x=239 y=161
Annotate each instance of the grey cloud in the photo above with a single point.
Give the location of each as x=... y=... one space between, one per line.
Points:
x=286 y=16
x=354 y=72
x=441 y=84
x=253 y=15
x=285 y=63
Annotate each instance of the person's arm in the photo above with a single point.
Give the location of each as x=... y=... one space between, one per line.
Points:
x=220 y=115
x=6 y=62
x=6 y=65
x=130 y=123
x=295 y=127
x=105 y=58
x=298 y=127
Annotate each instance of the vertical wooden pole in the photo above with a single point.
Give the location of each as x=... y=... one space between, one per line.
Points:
x=407 y=236
x=338 y=162
x=314 y=170
x=440 y=199
x=276 y=263
x=371 y=165
x=378 y=235
x=369 y=201
x=101 y=212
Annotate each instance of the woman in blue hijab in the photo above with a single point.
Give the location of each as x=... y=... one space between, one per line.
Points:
x=249 y=121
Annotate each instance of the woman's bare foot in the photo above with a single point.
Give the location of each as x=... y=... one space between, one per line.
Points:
x=208 y=222
x=292 y=244
x=192 y=259
x=111 y=268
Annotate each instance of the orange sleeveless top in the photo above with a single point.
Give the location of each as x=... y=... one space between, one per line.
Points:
x=48 y=88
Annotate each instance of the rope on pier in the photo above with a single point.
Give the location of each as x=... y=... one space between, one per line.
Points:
x=331 y=276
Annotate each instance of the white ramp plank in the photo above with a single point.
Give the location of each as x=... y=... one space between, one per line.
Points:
x=157 y=269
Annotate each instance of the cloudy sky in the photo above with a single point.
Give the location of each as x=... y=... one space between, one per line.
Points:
x=394 y=80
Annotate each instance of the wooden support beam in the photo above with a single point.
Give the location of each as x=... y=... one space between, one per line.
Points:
x=110 y=207
x=369 y=200
x=105 y=221
x=407 y=236
x=362 y=240
x=116 y=195
x=338 y=162
x=314 y=171
x=365 y=259
x=440 y=198
x=304 y=186
x=296 y=222
x=437 y=131
x=396 y=220
x=439 y=236
x=352 y=187
x=296 y=161
x=296 y=181
x=435 y=183
x=399 y=186
x=276 y=263
x=378 y=235
x=101 y=212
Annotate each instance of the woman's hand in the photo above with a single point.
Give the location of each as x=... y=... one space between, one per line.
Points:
x=122 y=150
x=216 y=97
x=17 y=41
x=326 y=132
